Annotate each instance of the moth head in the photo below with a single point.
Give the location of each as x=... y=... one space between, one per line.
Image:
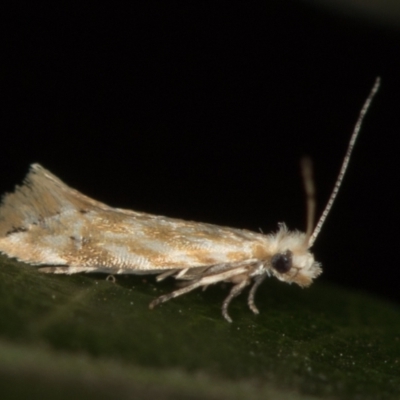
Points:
x=292 y=260
x=297 y=268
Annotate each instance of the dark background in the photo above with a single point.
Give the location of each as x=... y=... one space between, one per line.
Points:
x=202 y=110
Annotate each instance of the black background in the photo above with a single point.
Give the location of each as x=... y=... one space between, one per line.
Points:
x=202 y=110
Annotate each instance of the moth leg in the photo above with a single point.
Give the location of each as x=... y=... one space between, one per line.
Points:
x=165 y=274
x=181 y=273
x=235 y=291
x=54 y=270
x=176 y=293
x=207 y=280
x=68 y=270
x=258 y=281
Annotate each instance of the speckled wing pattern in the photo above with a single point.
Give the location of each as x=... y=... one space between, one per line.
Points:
x=46 y=222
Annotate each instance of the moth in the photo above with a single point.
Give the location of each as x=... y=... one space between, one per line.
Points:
x=48 y=224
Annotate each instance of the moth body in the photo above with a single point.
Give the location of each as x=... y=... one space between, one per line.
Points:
x=50 y=225
x=45 y=222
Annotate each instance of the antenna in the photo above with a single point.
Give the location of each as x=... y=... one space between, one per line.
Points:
x=309 y=188
x=345 y=164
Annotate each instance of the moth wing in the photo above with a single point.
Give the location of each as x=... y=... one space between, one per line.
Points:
x=46 y=222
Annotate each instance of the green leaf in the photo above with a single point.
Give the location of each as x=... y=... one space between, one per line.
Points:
x=84 y=336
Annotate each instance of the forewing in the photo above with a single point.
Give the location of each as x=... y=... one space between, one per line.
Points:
x=46 y=222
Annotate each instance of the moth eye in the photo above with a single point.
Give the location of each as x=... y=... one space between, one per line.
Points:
x=282 y=262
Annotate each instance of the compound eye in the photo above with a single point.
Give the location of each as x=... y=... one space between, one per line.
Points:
x=282 y=262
